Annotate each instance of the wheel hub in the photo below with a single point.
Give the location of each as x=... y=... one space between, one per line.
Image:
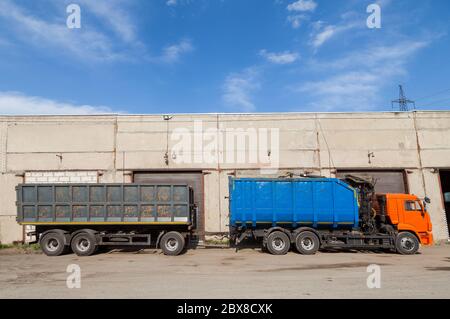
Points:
x=278 y=244
x=172 y=244
x=407 y=243
x=52 y=244
x=83 y=244
x=307 y=243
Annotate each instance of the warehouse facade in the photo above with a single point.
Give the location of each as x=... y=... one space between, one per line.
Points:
x=402 y=151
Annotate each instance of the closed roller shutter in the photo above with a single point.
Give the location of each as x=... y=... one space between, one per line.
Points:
x=193 y=179
x=386 y=181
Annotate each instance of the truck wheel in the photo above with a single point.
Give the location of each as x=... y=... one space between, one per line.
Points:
x=406 y=243
x=307 y=243
x=84 y=244
x=278 y=243
x=52 y=244
x=172 y=243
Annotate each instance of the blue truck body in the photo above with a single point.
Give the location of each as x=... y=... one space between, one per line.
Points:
x=314 y=202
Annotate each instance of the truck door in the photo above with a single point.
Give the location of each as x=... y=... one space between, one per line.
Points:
x=414 y=214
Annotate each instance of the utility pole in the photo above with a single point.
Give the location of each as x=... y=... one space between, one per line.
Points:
x=403 y=101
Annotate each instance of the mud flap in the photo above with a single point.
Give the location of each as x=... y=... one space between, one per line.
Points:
x=239 y=239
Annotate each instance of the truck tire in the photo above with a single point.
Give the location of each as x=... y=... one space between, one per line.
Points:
x=278 y=243
x=406 y=243
x=307 y=243
x=84 y=244
x=52 y=244
x=172 y=243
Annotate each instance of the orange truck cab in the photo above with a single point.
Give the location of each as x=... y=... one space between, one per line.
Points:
x=407 y=213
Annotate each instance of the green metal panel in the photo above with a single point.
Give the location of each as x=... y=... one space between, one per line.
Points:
x=104 y=203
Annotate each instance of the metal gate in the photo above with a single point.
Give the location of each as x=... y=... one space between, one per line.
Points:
x=385 y=181
x=193 y=179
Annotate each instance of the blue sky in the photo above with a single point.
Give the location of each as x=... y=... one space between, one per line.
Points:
x=183 y=56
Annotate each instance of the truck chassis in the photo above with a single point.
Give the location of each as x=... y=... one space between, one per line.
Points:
x=55 y=241
x=307 y=241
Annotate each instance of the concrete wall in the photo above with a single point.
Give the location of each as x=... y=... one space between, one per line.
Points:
x=114 y=146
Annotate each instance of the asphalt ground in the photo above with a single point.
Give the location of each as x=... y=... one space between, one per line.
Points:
x=225 y=273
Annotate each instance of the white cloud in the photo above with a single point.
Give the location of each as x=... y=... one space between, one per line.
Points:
x=285 y=57
x=343 y=84
x=322 y=33
x=117 y=41
x=172 y=53
x=354 y=90
x=302 y=5
x=296 y=20
x=174 y=3
x=83 y=42
x=115 y=16
x=357 y=80
x=14 y=103
x=238 y=89
x=377 y=55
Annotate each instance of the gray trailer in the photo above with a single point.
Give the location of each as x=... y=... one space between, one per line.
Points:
x=84 y=217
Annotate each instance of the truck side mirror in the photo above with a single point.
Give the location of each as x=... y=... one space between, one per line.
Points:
x=427 y=200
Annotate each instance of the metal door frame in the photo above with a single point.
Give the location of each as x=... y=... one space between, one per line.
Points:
x=378 y=170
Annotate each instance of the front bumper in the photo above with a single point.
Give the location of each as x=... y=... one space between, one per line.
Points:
x=426 y=238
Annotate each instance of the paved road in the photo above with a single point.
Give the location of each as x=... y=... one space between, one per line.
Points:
x=223 y=273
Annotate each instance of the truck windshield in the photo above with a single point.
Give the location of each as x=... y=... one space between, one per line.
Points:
x=412 y=206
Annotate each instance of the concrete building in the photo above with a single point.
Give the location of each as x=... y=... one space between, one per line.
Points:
x=405 y=152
